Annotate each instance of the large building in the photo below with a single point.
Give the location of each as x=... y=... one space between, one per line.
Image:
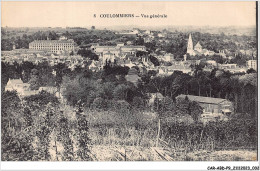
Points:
x=112 y=52
x=117 y=50
x=197 y=49
x=252 y=64
x=56 y=46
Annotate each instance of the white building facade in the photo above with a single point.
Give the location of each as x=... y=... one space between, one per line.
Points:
x=54 y=46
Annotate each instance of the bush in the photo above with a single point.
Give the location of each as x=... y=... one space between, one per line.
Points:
x=99 y=103
x=122 y=106
x=43 y=98
x=229 y=134
x=138 y=103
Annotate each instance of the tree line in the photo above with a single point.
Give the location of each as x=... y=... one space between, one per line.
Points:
x=111 y=83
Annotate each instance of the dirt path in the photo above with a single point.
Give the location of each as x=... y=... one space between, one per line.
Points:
x=56 y=148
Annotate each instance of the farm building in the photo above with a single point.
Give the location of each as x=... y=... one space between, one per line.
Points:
x=210 y=104
x=213 y=108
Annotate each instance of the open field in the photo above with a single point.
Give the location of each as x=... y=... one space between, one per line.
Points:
x=137 y=153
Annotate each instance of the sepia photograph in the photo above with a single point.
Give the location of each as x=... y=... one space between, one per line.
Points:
x=130 y=81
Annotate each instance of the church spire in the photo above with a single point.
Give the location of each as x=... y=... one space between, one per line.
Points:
x=190 y=45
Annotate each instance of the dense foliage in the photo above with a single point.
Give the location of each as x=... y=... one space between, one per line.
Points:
x=83 y=84
x=233 y=134
x=32 y=127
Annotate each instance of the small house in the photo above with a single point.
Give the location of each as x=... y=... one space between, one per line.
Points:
x=23 y=89
x=16 y=85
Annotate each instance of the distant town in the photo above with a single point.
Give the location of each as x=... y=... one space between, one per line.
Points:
x=160 y=53
x=133 y=79
x=135 y=48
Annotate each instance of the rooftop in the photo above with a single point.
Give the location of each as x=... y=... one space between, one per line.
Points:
x=132 y=71
x=198 y=45
x=132 y=78
x=53 y=41
x=156 y=95
x=15 y=81
x=202 y=99
x=127 y=46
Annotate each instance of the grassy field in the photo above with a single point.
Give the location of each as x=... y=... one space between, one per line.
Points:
x=119 y=136
x=138 y=153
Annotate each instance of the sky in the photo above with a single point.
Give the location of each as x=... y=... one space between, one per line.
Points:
x=80 y=14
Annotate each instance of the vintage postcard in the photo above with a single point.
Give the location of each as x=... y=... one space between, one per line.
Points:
x=130 y=81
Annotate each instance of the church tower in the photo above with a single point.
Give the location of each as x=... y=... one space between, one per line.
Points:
x=190 y=46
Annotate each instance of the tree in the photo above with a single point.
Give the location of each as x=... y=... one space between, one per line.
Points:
x=139 y=41
x=138 y=103
x=42 y=134
x=42 y=99
x=28 y=117
x=122 y=107
x=82 y=134
x=48 y=118
x=10 y=120
x=115 y=70
x=151 y=46
x=239 y=59
x=35 y=80
x=79 y=88
x=152 y=73
x=106 y=91
x=99 y=103
x=182 y=106
x=71 y=53
x=218 y=59
x=180 y=84
x=16 y=135
x=64 y=137
x=156 y=84
x=251 y=70
x=26 y=70
x=120 y=92
x=201 y=80
x=235 y=93
x=140 y=53
x=88 y=54
x=154 y=60
x=195 y=110
x=162 y=107
x=45 y=74
x=59 y=68
x=192 y=108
